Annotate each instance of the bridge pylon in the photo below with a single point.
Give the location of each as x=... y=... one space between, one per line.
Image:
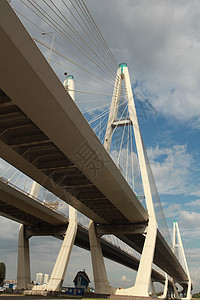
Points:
x=99 y=271
x=59 y=270
x=180 y=253
x=143 y=279
x=60 y=267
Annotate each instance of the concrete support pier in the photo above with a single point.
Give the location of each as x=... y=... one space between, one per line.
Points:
x=59 y=270
x=23 y=265
x=99 y=270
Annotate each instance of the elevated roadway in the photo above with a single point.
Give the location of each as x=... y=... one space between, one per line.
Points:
x=43 y=134
x=41 y=220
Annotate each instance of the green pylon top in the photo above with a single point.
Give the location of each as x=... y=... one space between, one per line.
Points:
x=70 y=77
x=122 y=65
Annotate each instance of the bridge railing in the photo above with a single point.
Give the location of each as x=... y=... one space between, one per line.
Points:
x=47 y=204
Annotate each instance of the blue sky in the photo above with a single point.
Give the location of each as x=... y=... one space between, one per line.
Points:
x=173 y=148
x=160 y=42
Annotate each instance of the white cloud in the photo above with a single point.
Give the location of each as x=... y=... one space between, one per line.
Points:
x=172 y=210
x=195 y=275
x=195 y=203
x=193 y=254
x=8 y=230
x=172 y=169
x=189 y=219
x=196 y=193
x=193 y=257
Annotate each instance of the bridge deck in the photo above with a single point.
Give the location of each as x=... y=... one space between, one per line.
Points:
x=43 y=133
x=19 y=207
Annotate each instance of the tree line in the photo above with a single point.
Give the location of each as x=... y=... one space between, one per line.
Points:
x=2 y=272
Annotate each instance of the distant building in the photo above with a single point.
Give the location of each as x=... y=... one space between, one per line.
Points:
x=81 y=280
x=6 y=281
x=9 y=284
x=46 y=278
x=39 y=278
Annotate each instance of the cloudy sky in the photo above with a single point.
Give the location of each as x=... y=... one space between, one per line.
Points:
x=160 y=42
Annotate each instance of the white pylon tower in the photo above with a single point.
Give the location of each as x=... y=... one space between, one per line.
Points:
x=143 y=279
x=69 y=85
x=179 y=251
x=60 y=267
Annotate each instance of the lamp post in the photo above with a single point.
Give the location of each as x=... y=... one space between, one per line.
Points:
x=53 y=37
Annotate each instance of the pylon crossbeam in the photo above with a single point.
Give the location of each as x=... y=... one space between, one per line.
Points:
x=121 y=123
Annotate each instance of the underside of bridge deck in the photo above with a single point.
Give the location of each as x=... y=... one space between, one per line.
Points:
x=40 y=220
x=22 y=136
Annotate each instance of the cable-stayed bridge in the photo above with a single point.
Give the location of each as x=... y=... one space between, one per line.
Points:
x=44 y=135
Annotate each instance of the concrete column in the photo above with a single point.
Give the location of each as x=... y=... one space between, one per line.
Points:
x=164 y=295
x=175 y=290
x=189 y=290
x=141 y=287
x=143 y=278
x=23 y=266
x=99 y=270
x=59 y=270
x=153 y=288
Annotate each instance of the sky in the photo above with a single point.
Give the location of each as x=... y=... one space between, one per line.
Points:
x=160 y=42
